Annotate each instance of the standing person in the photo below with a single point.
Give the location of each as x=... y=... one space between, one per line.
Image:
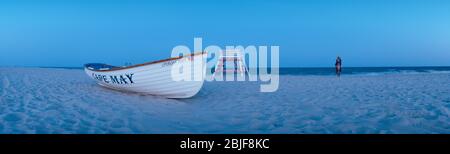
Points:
x=338 y=65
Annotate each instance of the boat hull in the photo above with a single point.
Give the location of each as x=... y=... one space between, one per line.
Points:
x=173 y=78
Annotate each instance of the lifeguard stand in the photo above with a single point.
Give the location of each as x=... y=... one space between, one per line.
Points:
x=237 y=66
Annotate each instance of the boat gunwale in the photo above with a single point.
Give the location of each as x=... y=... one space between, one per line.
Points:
x=145 y=64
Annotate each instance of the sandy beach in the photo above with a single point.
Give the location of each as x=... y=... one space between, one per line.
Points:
x=50 y=100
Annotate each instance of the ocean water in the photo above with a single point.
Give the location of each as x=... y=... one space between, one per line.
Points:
x=363 y=70
x=327 y=71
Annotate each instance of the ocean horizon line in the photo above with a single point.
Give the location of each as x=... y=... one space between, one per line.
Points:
x=325 y=71
x=285 y=67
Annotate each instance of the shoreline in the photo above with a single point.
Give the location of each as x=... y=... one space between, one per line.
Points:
x=330 y=71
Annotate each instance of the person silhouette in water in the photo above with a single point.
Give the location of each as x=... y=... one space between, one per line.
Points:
x=338 y=65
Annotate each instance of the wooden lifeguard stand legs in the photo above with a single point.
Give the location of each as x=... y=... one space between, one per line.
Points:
x=238 y=65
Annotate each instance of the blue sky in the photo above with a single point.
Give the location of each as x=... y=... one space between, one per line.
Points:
x=310 y=33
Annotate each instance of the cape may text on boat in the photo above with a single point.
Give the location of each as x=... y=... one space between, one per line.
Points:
x=115 y=79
